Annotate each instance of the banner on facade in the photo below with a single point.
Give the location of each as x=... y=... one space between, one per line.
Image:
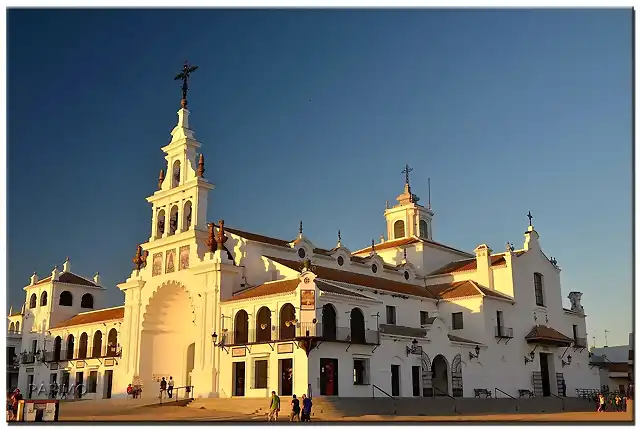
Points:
x=307 y=299
x=285 y=348
x=238 y=352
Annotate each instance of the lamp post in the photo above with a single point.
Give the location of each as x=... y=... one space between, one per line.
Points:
x=472 y=356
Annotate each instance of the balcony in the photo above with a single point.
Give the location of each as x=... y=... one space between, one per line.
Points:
x=63 y=355
x=579 y=342
x=503 y=332
x=27 y=358
x=301 y=330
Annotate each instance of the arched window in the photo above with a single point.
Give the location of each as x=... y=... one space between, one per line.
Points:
x=538 y=289
x=66 y=299
x=160 y=224
x=18 y=327
x=423 y=228
x=175 y=174
x=86 y=301
x=112 y=343
x=241 y=328
x=263 y=325
x=398 y=229
x=33 y=301
x=43 y=299
x=96 y=351
x=57 y=348
x=82 y=347
x=12 y=327
x=173 y=220
x=328 y=322
x=186 y=216
x=287 y=322
x=357 y=326
x=70 y=346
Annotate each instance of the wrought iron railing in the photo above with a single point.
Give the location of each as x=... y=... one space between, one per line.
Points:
x=266 y=334
x=504 y=332
x=27 y=358
x=61 y=355
x=580 y=342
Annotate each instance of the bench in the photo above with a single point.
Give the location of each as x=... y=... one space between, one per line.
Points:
x=525 y=392
x=484 y=392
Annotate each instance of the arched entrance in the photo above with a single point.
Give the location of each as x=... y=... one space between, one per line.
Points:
x=167 y=339
x=439 y=377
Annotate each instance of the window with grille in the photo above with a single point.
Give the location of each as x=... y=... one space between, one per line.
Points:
x=391 y=315
x=361 y=371
x=398 y=229
x=456 y=320
x=537 y=284
x=261 y=374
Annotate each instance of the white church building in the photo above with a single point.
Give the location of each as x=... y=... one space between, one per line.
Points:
x=235 y=313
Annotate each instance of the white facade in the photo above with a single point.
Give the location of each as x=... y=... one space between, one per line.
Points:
x=240 y=316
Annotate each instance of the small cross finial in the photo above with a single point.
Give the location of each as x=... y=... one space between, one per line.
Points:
x=406 y=172
x=339 y=237
x=404 y=253
x=300 y=227
x=373 y=245
x=530 y=217
x=387 y=204
x=184 y=77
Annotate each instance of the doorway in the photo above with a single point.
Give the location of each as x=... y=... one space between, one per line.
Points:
x=329 y=377
x=64 y=388
x=108 y=383
x=30 y=386
x=415 y=380
x=53 y=388
x=79 y=384
x=238 y=378
x=439 y=376
x=395 y=380
x=544 y=372
x=286 y=377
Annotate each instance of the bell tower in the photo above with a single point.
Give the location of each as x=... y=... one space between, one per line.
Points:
x=408 y=218
x=180 y=203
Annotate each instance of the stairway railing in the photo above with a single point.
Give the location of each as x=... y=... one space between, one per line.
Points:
x=373 y=392
x=455 y=407
x=497 y=389
x=559 y=397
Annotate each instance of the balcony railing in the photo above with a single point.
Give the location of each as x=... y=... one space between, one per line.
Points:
x=341 y=334
x=504 y=332
x=85 y=353
x=580 y=342
x=27 y=358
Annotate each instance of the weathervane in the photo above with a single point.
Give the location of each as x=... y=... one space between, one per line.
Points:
x=184 y=76
x=406 y=172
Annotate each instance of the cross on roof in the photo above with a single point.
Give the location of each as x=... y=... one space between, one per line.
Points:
x=530 y=217
x=406 y=172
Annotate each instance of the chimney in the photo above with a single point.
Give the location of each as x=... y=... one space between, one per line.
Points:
x=66 y=267
x=55 y=274
x=34 y=279
x=96 y=278
x=483 y=266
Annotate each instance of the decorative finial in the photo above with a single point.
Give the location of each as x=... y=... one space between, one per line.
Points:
x=211 y=239
x=373 y=245
x=339 y=239
x=530 y=217
x=184 y=76
x=201 y=166
x=510 y=247
x=404 y=253
x=160 y=178
x=300 y=227
x=307 y=264
x=221 y=238
x=554 y=261
x=140 y=259
x=387 y=205
x=406 y=172
x=429 y=185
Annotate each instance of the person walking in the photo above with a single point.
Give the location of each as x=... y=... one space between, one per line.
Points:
x=274 y=407
x=306 y=408
x=170 y=388
x=295 y=409
x=163 y=387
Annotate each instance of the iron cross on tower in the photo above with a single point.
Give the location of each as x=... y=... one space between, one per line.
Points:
x=406 y=172
x=187 y=69
x=530 y=217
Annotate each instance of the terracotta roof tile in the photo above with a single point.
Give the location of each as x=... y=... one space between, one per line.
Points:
x=70 y=278
x=96 y=316
x=360 y=279
x=454 y=290
x=331 y=288
x=270 y=288
x=467 y=265
x=493 y=293
x=257 y=237
x=390 y=244
x=542 y=333
x=461 y=340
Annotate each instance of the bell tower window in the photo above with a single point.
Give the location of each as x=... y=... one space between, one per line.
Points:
x=175 y=174
x=173 y=220
x=398 y=229
x=160 y=224
x=423 y=228
x=186 y=218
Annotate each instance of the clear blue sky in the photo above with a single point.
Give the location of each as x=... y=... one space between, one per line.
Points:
x=506 y=111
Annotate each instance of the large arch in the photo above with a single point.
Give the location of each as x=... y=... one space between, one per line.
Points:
x=357 y=326
x=241 y=328
x=96 y=349
x=168 y=330
x=456 y=377
x=82 y=347
x=329 y=325
x=43 y=299
x=33 y=301
x=70 y=347
x=440 y=376
x=398 y=229
x=57 y=348
x=287 y=322
x=263 y=325
x=112 y=342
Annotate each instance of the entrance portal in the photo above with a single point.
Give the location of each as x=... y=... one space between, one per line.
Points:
x=544 y=370
x=329 y=377
x=238 y=378
x=440 y=379
x=167 y=332
x=286 y=375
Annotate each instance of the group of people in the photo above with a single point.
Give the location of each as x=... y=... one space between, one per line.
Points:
x=166 y=388
x=297 y=412
x=613 y=402
x=12 y=404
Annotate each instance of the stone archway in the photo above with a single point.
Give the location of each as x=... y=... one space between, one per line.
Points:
x=440 y=376
x=167 y=337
